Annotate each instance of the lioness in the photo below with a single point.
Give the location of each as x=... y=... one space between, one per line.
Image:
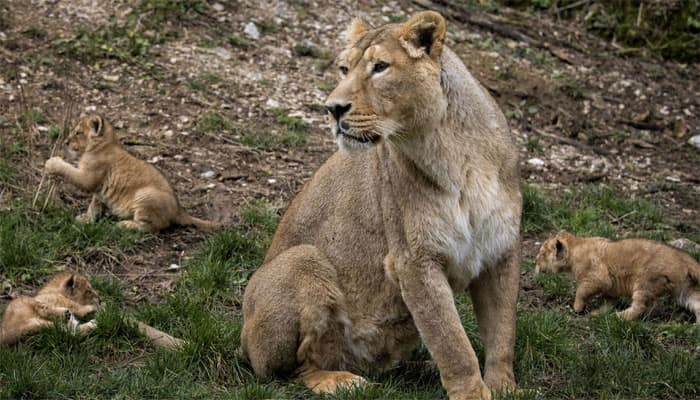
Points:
x=422 y=200
x=64 y=297
x=129 y=187
x=637 y=268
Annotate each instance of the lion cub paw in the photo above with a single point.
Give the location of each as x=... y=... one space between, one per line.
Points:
x=53 y=165
x=133 y=225
x=84 y=218
x=87 y=327
x=321 y=382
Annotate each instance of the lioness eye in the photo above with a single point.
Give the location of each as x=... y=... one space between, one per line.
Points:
x=344 y=70
x=379 y=66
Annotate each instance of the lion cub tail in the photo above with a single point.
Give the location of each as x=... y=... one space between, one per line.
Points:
x=186 y=219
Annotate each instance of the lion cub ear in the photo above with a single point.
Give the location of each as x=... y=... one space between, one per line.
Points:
x=70 y=283
x=357 y=28
x=96 y=125
x=561 y=249
x=423 y=33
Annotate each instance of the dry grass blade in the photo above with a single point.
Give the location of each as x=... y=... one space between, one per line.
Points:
x=65 y=126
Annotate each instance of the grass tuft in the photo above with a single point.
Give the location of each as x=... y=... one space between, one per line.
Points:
x=212 y=121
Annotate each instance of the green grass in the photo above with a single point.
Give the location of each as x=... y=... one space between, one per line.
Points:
x=149 y=23
x=33 y=244
x=204 y=81
x=558 y=354
x=212 y=121
x=591 y=211
x=295 y=132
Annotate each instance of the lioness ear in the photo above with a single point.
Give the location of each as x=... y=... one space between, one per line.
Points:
x=96 y=125
x=423 y=33
x=357 y=28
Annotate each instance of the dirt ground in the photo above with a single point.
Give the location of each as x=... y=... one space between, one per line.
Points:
x=581 y=113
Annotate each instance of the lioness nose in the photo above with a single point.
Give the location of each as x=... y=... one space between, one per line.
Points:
x=337 y=109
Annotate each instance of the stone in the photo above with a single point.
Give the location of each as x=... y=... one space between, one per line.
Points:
x=251 y=30
x=208 y=174
x=694 y=141
x=536 y=162
x=684 y=244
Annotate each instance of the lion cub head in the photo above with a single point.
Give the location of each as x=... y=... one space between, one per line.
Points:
x=73 y=286
x=554 y=254
x=389 y=85
x=91 y=132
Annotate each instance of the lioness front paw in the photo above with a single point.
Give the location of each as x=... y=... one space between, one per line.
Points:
x=479 y=393
x=328 y=382
x=53 y=165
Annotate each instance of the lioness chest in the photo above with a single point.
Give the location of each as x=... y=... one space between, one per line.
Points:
x=472 y=230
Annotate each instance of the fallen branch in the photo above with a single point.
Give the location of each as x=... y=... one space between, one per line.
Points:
x=573 y=142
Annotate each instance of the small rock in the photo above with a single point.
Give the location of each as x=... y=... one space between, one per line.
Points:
x=694 y=141
x=6 y=287
x=536 y=162
x=211 y=186
x=168 y=133
x=110 y=78
x=272 y=103
x=684 y=244
x=179 y=157
x=173 y=268
x=208 y=174
x=252 y=31
x=155 y=159
x=222 y=53
x=217 y=7
x=272 y=181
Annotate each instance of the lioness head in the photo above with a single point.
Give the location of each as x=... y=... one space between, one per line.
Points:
x=389 y=85
x=90 y=132
x=76 y=287
x=554 y=254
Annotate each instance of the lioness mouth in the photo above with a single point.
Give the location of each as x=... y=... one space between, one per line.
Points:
x=361 y=139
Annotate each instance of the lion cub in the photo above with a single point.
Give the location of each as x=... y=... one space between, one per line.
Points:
x=129 y=187
x=637 y=268
x=64 y=297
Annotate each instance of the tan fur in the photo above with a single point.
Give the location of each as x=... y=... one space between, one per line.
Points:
x=130 y=188
x=637 y=268
x=422 y=200
x=64 y=297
